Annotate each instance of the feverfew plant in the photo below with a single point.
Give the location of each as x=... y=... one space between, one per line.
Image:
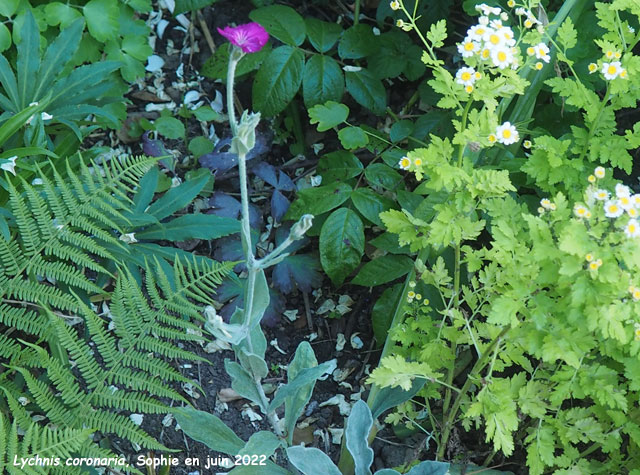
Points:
x=527 y=322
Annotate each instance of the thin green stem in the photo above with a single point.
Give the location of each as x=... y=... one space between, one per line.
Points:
x=356 y=13
x=463 y=125
x=451 y=415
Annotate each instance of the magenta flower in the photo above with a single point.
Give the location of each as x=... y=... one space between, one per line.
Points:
x=250 y=37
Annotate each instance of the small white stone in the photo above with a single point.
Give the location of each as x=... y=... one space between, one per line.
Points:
x=154 y=63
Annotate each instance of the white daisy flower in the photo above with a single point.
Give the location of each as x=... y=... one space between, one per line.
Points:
x=476 y=32
x=611 y=70
x=622 y=190
x=466 y=76
x=468 y=47
x=599 y=172
x=632 y=212
x=625 y=202
x=580 y=211
x=483 y=20
x=496 y=24
x=545 y=203
x=395 y=5
x=601 y=195
x=632 y=229
x=636 y=200
x=542 y=52
x=493 y=39
x=507 y=134
x=502 y=57
x=612 y=209
x=404 y=163
x=508 y=35
x=520 y=11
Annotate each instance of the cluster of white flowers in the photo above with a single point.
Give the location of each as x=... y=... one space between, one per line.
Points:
x=546 y=204
x=491 y=40
x=610 y=69
x=530 y=19
x=405 y=162
x=622 y=202
x=467 y=77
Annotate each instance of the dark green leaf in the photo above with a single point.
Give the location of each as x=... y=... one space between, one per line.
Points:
x=388 y=397
x=216 y=66
x=383 y=175
x=191 y=226
x=357 y=42
x=389 y=242
x=341 y=244
x=339 y=166
x=382 y=270
x=177 y=198
x=28 y=59
x=146 y=190
x=322 y=35
x=367 y=90
x=282 y=22
x=371 y=204
x=322 y=81
x=184 y=6
x=5 y=38
x=278 y=80
x=401 y=130
x=208 y=429
x=383 y=311
x=319 y=200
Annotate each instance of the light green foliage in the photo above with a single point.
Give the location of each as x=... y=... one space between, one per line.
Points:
x=523 y=321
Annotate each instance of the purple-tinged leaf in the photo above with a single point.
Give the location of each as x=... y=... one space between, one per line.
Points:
x=222 y=161
x=266 y=173
x=230 y=249
x=279 y=205
x=285 y=183
x=155 y=148
x=301 y=271
x=227 y=206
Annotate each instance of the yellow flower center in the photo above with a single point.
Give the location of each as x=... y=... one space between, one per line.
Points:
x=492 y=138
x=405 y=162
x=530 y=51
x=481 y=31
x=589 y=257
x=502 y=56
x=632 y=228
x=609 y=54
x=538 y=65
x=593 y=265
x=468 y=46
x=623 y=73
x=418 y=162
x=494 y=39
x=506 y=133
x=612 y=69
x=580 y=211
x=592 y=67
x=613 y=209
x=465 y=76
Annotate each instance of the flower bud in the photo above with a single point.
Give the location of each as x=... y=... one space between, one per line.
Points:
x=301 y=227
x=245 y=137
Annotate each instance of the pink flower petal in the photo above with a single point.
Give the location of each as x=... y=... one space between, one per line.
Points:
x=250 y=37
